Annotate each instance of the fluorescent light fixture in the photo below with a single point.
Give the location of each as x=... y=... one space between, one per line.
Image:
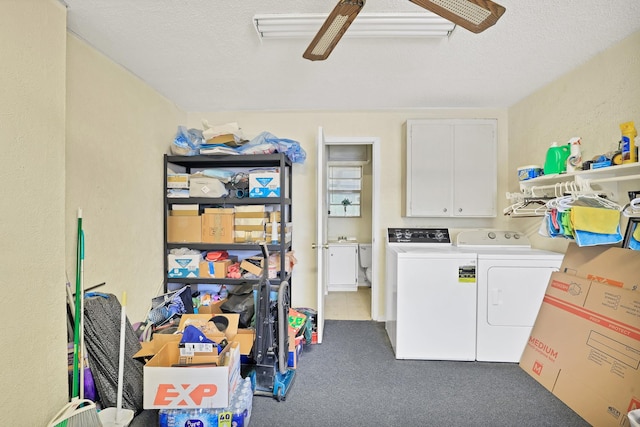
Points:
x=366 y=25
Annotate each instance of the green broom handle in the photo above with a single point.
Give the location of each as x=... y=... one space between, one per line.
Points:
x=78 y=301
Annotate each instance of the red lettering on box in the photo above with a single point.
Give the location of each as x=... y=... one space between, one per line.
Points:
x=183 y=395
x=634 y=404
x=605 y=280
x=560 y=285
x=537 y=368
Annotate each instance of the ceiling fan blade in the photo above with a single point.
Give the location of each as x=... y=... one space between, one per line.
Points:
x=474 y=15
x=333 y=28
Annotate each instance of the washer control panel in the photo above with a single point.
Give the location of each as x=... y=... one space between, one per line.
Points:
x=475 y=238
x=433 y=236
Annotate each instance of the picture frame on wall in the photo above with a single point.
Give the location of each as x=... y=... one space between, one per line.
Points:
x=629 y=241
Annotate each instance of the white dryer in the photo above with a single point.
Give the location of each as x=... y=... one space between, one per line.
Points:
x=430 y=296
x=512 y=279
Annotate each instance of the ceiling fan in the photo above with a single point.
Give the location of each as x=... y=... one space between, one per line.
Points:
x=474 y=15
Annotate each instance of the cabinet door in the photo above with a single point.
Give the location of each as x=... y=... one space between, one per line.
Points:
x=475 y=172
x=451 y=168
x=429 y=168
x=343 y=267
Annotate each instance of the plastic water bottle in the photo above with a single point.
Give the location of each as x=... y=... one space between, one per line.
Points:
x=162 y=418
x=239 y=416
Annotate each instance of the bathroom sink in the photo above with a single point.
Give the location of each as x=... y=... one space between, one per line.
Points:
x=343 y=240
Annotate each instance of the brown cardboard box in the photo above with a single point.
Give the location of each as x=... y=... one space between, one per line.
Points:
x=178 y=180
x=168 y=386
x=212 y=308
x=217 y=269
x=252 y=265
x=575 y=256
x=225 y=138
x=184 y=229
x=250 y=214
x=242 y=236
x=616 y=267
x=585 y=344
x=152 y=347
x=217 y=225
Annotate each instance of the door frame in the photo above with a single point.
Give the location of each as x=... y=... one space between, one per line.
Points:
x=324 y=141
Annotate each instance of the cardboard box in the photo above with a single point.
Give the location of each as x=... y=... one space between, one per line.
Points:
x=184 y=229
x=249 y=228
x=180 y=266
x=585 y=344
x=251 y=208
x=178 y=180
x=225 y=138
x=245 y=338
x=212 y=308
x=264 y=184
x=243 y=214
x=252 y=265
x=151 y=348
x=217 y=269
x=217 y=225
x=245 y=236
x=168 y=387
x=295 y=348
x=255 y=222
x=178 y=193
x=616 y=267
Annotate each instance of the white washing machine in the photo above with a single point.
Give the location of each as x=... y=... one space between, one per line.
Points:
x=512 y=279
x=430 y=296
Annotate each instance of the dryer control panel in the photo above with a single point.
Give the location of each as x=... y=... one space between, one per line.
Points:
x=492 y=238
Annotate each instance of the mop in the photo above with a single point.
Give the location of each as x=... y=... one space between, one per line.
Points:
x=119 y=417
x=79 y=412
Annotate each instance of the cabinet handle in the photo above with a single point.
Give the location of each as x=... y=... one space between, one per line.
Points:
x=459 y=209
x=444 y=210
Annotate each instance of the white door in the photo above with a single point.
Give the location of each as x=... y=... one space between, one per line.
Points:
x=321 y=229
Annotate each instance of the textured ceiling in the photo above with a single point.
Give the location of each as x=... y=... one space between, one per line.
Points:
x=205 y=55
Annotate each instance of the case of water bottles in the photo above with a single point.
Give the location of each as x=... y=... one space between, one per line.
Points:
x=237 y=414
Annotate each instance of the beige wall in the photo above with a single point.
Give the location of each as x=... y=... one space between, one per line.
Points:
x=118 y=128
x=590 y=102
x=32 y=172
x=386 y=125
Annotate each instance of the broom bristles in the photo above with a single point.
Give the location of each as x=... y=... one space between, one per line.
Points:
x=77 y=413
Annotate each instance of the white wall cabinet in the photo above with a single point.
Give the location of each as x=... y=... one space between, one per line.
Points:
x=343 y=267
x=451 y=168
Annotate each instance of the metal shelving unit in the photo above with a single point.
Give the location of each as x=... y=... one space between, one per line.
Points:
x=191 y=164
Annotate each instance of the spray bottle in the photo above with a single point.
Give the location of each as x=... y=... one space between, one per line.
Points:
x=574 y=161
x=629 y=133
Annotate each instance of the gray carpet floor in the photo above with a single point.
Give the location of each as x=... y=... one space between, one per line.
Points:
x=353 y=379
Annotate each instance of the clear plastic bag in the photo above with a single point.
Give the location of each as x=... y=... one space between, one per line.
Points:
x=266 y=143
x=187 y=142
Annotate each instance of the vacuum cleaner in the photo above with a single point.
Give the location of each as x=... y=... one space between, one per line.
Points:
x=271 y=342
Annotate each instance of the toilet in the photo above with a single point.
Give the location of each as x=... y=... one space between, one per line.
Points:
x=364 y=260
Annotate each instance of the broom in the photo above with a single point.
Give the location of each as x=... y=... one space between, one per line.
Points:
x=79 y=412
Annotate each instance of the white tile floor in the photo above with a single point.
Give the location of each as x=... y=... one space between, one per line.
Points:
x=348 y=305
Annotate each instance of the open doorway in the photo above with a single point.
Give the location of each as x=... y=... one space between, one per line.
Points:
x=350 y=229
